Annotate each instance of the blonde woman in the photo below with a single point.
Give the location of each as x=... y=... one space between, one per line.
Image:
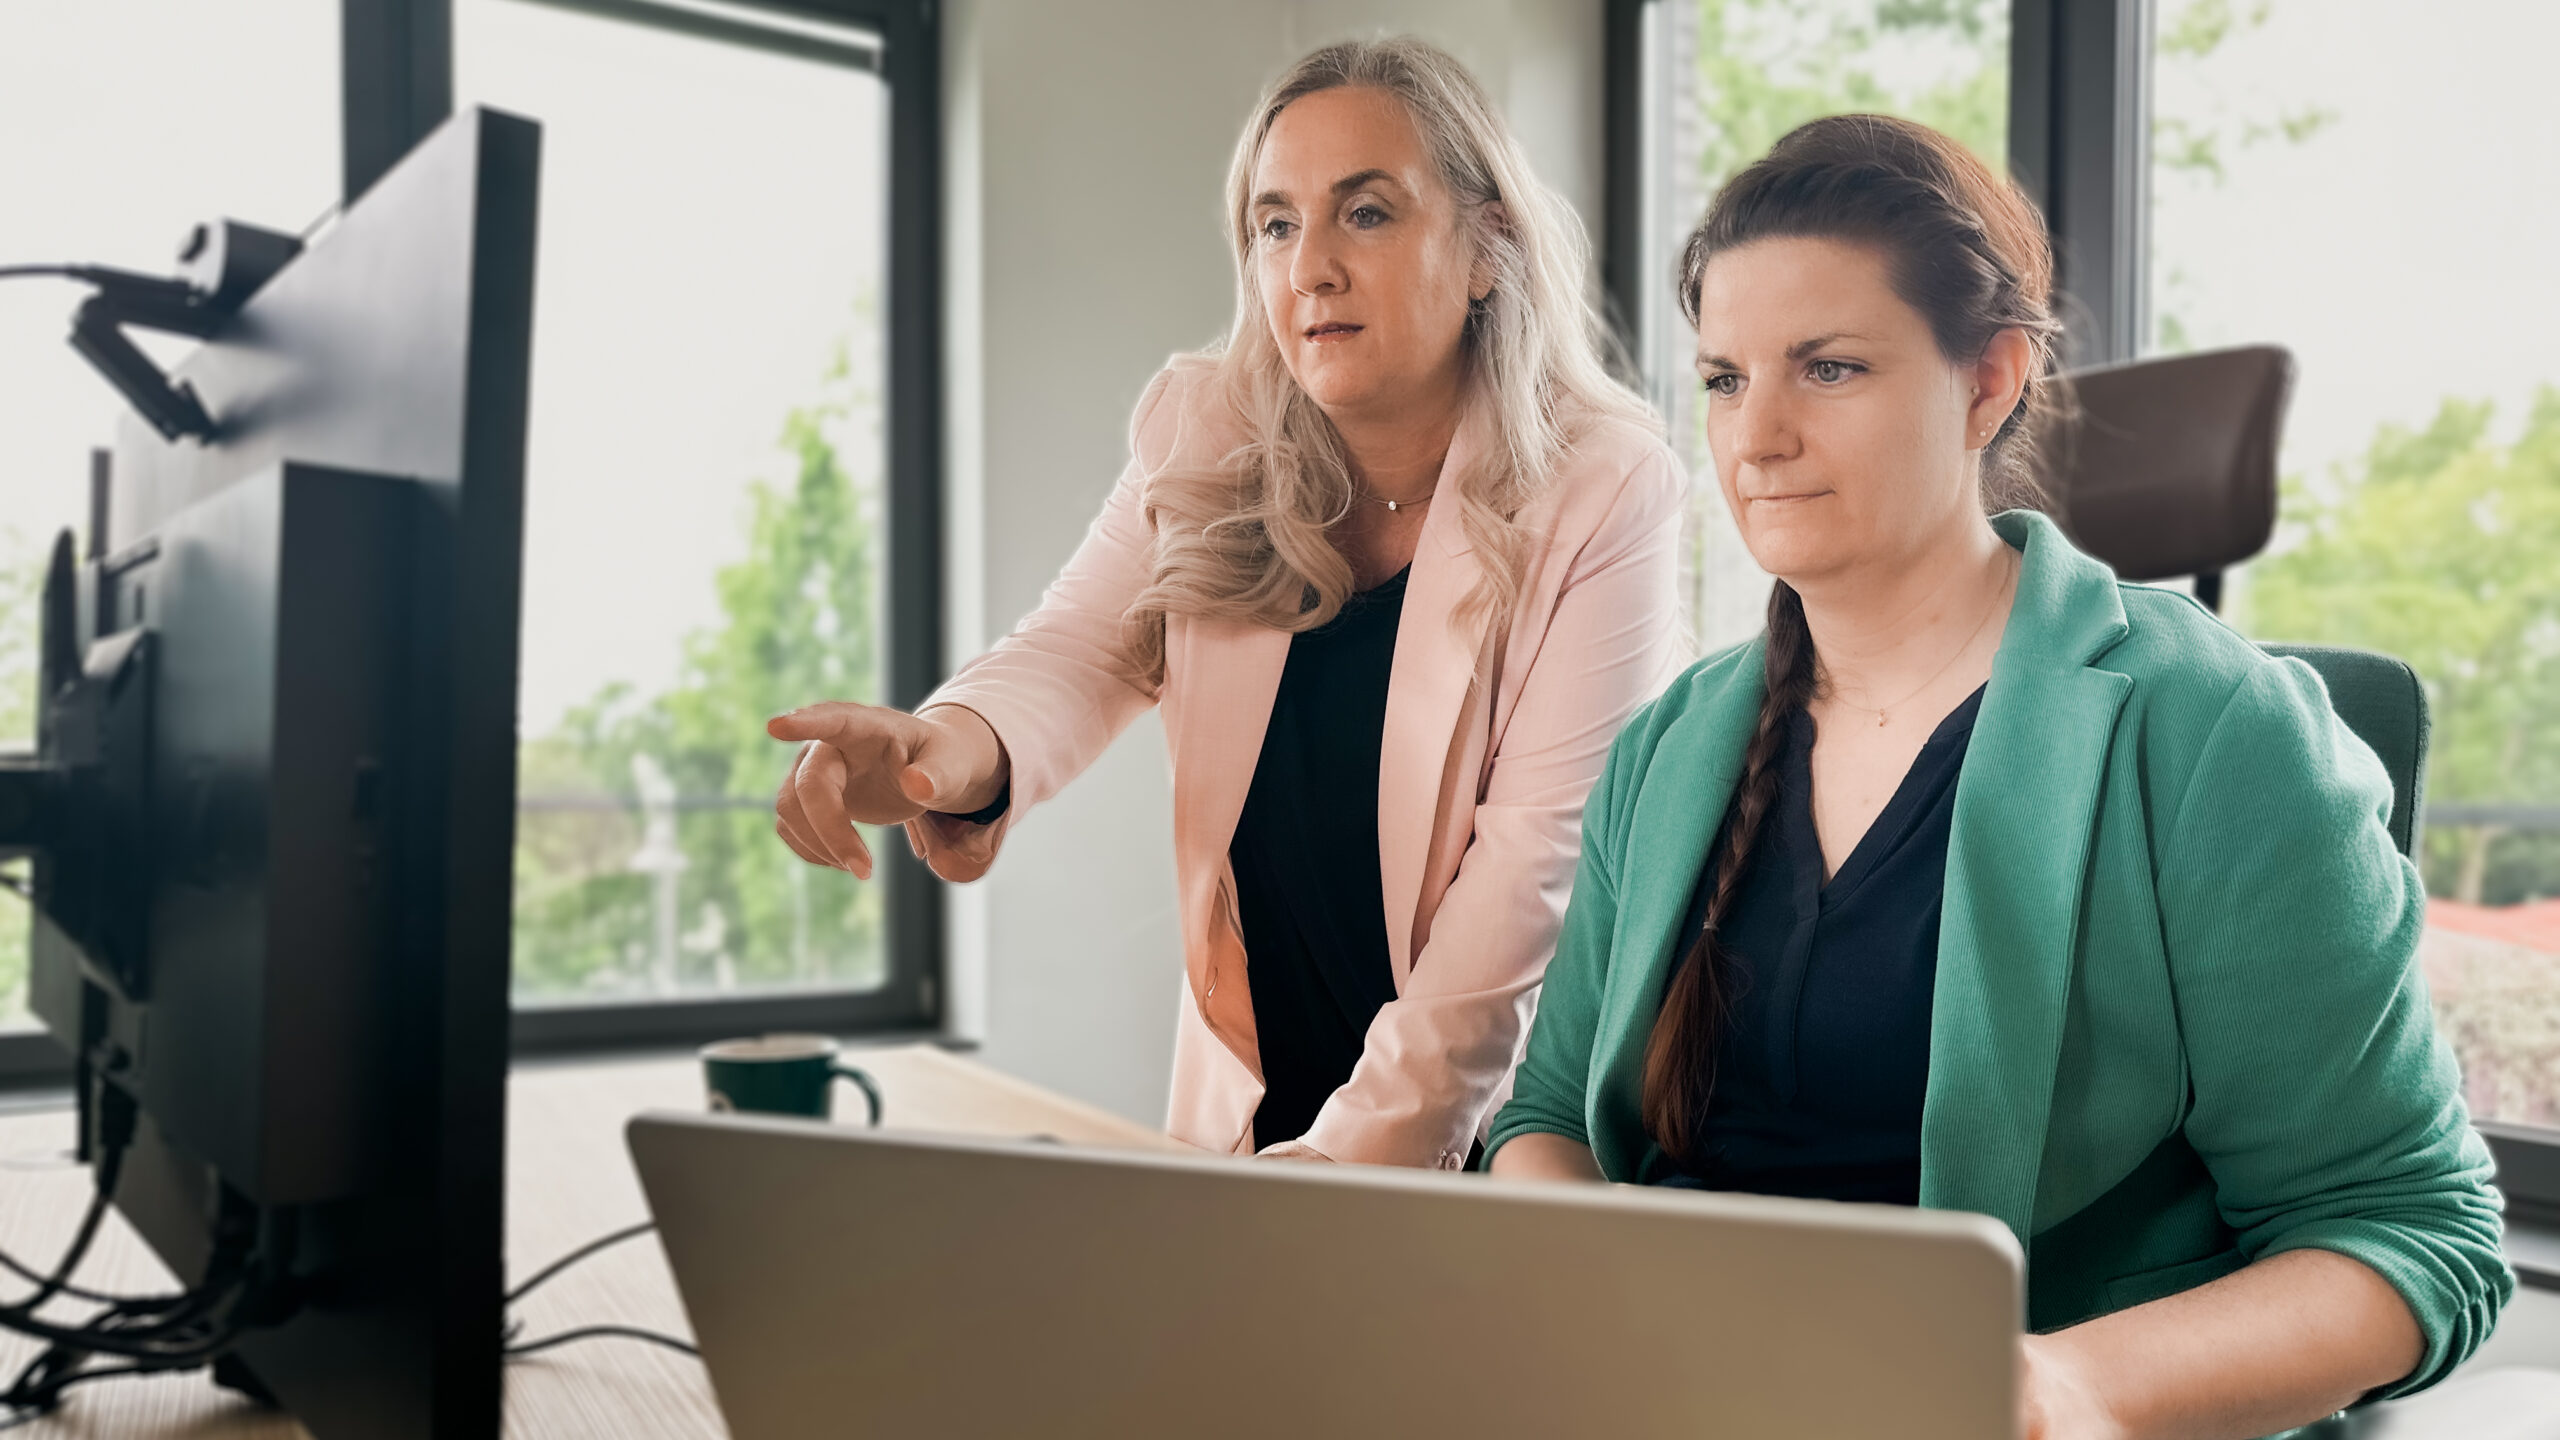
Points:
x=1396 y=560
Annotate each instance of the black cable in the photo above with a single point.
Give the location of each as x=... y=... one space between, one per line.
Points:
x=13 y=272
x=153 y=1327
x=200 y=1330
x=29 y=1274
x=116 y=1113
x=335 y=209
x=41 y=1380
x=49 y=1399
x=29 y=1414
x=143 y=1316
x=48 y=1286
x=602 y=1332
x=175 y=1322
x=154 y=1319
x=628 y=1232
x=166 y=1331
x=152 y=1333
x=516 y=1351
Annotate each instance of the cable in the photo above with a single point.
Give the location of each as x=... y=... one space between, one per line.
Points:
x=29 y=1274
x=152 y=1333
x=516 y=1351
x=334 y=210
x=48 y=1286
x=190 y=1329
x=29 y=1414
x=14 y=272
x=629 y=1232
x=37 y=1392
x=161 y=1331
x=60 y=1282
x=601 y=1332
x=116 y=1115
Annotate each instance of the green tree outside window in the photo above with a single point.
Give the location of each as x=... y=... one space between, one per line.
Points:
x=712 y=900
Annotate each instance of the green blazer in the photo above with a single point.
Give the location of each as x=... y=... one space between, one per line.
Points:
x=2179 y=1022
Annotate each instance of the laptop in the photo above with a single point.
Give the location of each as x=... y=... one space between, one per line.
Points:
x=859 y=1282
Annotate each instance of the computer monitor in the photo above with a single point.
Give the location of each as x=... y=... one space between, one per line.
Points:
x=274 y=839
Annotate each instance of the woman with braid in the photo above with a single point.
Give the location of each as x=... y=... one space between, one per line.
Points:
x=1984 y=882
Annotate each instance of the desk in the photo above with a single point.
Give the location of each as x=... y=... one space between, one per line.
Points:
x=569 y=1179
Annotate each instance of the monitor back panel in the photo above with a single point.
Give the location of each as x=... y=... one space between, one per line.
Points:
x=325 y=1029
x=845 y=1282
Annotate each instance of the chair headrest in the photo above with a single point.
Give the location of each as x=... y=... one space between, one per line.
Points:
x=2164 y=468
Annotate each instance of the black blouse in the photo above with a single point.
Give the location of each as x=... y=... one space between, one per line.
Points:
x=1305 y=853
x=1824 y=1063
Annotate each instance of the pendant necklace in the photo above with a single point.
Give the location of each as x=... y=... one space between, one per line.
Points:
x=1882 y=716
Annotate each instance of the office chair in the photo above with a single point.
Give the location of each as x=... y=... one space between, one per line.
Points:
x=2382 y=701
x=2166 y=468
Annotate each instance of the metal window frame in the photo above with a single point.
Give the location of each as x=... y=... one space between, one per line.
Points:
x=2079 y=143
x=396 y=85
x=1622 y=246
x=2528 y=1164
x=909 y=61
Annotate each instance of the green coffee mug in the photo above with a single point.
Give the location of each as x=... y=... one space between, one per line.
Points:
x=781 y=1075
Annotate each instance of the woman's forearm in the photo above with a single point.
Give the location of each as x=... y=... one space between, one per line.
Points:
x=978 y=753
x=1539 y=1156
x=2277 y=1344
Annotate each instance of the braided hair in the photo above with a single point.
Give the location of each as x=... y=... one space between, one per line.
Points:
x=1967 y=250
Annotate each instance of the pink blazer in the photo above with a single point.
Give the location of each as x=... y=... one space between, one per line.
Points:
x=1480 y=785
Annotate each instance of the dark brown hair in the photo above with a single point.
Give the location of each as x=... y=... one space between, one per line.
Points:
x=1965 y=249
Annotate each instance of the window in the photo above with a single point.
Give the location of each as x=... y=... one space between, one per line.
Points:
x=705 y=475
x=735 y=430
x=123 y=187
x=1722 y=80
x=2235 y=171
x=736 y=259
x=2400 y=248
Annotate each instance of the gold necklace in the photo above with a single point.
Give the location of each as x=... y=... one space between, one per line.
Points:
x=1993 y=609
x=1394 y=505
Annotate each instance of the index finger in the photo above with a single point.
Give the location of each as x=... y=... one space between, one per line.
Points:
x=824 y=720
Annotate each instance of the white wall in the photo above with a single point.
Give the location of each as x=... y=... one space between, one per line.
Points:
x=1086 y=147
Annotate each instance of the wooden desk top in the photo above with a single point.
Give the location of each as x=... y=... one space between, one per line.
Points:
x=569 y=1180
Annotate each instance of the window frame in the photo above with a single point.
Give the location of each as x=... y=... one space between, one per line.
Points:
x=2079 y=143
x=396 y=86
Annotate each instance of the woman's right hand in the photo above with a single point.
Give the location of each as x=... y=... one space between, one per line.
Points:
x=879 y=766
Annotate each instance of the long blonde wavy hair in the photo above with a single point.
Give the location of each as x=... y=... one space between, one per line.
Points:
x=1243 y=535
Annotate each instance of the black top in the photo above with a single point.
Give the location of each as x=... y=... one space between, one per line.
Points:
x=1306 y=860
x=1824 y=1063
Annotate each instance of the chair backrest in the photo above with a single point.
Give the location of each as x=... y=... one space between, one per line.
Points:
x=2167 y=468
x=2383 y=703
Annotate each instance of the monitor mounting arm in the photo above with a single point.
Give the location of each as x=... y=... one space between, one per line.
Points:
x=79 y=805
